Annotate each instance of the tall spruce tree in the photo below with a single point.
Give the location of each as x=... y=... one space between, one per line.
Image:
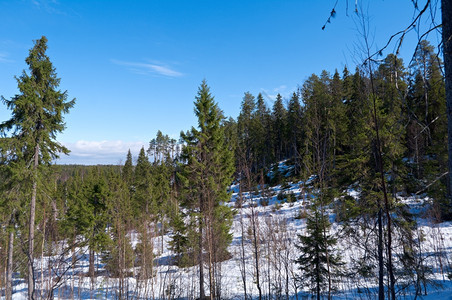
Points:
x=426 y=131
x=279 y=120
x=127 y=170
x=337 y=117
x=206 y=175
x=143 y=200
x=37 y=117
x=262 y=133
x=353 y=155
x=245 y=122
x=318 y=126
x=295 y=130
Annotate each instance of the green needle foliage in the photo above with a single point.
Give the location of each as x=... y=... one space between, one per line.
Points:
x=318 y=261
x=206 y=176
x=37 y=117
x=37 y=111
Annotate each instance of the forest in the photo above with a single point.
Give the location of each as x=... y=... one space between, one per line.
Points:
x=339 y=191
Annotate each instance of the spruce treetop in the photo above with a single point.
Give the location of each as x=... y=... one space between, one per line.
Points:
x=37 y=111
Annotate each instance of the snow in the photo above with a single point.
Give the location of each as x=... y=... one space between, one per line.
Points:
x=278 y=221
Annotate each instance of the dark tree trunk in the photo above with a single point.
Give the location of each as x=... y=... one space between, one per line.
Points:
x=317 y=275
x=256 y=252
x=446 y=8
x=202 y=294
x=9 y=266
x=91 y=270
x=381 y=290
x=242 y=252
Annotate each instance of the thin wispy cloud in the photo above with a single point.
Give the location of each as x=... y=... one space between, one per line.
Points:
x=4 y=58
x=41 y=3
x=50 y=6
x=280 y=88
x=99 y=152
x=148 y=68
x=283 y=90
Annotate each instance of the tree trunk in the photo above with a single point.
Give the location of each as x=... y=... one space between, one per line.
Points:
x=42 y=258
x=380 y=169
x=9 y=266
x=244 y=168
x=330 y=284
x=390 y=264
x=242 y=252
x=91 y=267
x=31 y=229
x=73 y=267
x=387 y=208
x=381 y=288
x=256 y=252
x=446 y=8
x=202 y=294
x=318 y=280
x=211 y=262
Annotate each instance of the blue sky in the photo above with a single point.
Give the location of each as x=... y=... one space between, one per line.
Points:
x=135 y=66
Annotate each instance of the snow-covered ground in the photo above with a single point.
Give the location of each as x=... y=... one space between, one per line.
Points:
x=277 y=225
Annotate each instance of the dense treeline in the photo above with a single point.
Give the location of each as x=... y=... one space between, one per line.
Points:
x=381 y=133
x=330 y=120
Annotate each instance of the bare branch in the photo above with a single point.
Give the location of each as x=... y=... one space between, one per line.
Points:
x=401 y=33
x=431 y=183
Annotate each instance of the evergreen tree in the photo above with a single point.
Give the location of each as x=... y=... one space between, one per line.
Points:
x=390 y=87
x=206 y=175
x=161 y=173
x=179 y=243
x=337 y=118
x=318 y=127
x=245 y=128
x=127 y=170
x=279 y=115
x=146 y=212
x=161 y=147
x=388 y=123
x=318 y=260
x=119 y=255
x=295 y=130
x=231 y=135
x=13 y=189
x=262 y=134
x=321 y=111
x=37 y=117
x=144 y=203
x=89 y=213
x=427 y=125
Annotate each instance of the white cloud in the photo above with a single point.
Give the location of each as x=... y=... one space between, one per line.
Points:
x=149 y=68
x=99 y=152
